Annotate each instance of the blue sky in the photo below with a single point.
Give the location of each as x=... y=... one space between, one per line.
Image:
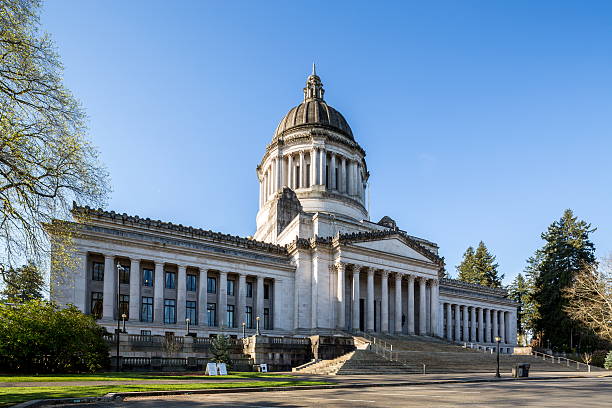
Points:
x=482 y=120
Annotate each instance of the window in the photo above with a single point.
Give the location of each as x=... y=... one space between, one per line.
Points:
x=145 y=332
x=211 y=313
x=124 y=306
x=146 y=310
x=230 y=316
x=212 y=285
x=249 y=317
x=96 y=304
x=249 y=289
x=124 y=274
x=231 y=284
x=170 y=280
x=267 y=325
x=191 y=312
x=169 y=311
x=266 y=291
x=192 y=283
x=147 y=277
x=97 y=271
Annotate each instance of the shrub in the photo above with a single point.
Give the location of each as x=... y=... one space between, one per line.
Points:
x=608 y=362
x=38 y=336
x=599 y=357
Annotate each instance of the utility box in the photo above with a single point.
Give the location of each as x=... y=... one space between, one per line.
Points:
x=520 y=370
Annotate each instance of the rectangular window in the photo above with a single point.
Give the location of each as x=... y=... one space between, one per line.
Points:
x=211 y=313
x=146 y=310
x=249 y=317
x=212 y=285
x=145 y=332
x=96 y=304
x=231 y=284
x=192 y=283
x=124 y=306
x=169 y=311
x=147 y=277
x=230 y=316
x=266 y=291
x=124 y=274
x=267 y=325
x=191 y=312
x=249 y=289
x=170 y=280
x=97 y=271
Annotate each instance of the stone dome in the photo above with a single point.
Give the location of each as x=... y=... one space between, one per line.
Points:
x=314 y=111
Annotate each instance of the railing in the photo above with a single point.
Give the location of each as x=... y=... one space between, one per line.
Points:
x=379 y=346
x=557 y=360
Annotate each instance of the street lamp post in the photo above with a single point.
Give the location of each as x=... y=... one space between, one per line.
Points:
x=119 y=269
x=123 y=317
x=187 y=321
x=497 y=340
x=257 y=332
x=243 y=330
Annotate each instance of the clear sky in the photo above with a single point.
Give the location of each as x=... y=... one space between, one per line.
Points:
x=482 y=120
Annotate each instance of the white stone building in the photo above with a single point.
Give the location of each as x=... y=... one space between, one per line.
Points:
x=316 y=263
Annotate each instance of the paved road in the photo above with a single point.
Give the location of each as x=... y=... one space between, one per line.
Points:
x=582 y=392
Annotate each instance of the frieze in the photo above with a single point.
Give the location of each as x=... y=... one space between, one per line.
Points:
x=473 y=286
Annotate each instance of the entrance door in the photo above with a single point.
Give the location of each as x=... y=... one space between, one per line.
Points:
x=362 y=314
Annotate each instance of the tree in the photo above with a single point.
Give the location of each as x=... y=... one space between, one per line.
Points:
x=220 y=348
x=608 y=362
x=519 y=292
x=23 y=284
x=38 y=336
x=46 y=161
x=479 y=267
x=567 y=249
x=590 y=298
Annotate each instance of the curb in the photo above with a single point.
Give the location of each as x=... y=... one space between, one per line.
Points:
x=119 y=396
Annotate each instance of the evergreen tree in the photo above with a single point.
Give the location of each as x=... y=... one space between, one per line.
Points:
x=519 y=292
x=220 y=349
x=479 y=267
x=608 y=362
x=23 y=284
x=567 y=249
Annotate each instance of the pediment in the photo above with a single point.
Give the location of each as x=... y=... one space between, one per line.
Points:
x=392 y=245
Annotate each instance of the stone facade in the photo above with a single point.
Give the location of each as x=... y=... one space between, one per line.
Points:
x=316 y=263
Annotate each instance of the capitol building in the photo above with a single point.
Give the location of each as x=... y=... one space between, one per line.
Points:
x=316 y=264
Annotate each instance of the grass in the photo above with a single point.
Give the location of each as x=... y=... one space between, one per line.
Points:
x=15 y=395
x=116 y=376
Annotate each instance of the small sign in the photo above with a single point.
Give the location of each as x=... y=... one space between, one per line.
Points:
x=222 y=368
x=263 y=368
x=211 y=369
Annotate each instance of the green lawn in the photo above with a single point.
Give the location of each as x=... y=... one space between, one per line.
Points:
x=130 y=377
x=15 y=395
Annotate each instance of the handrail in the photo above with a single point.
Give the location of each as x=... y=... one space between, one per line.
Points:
x=379 y=346
x=567 y=360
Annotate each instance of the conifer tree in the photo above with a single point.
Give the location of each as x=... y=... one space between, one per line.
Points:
x=520 y=291
x=479 y=267
x=567 y=249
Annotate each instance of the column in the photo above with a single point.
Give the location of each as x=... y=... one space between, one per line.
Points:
x=398 y=303
x=466 y=329
x=341 y=322
x=502 y=326
x=302 y=180
x=487 y=336
x=134 y=313
x=283 y=171
x=291 y=179
x=332 y=172
x=370 y=301
x=222 y=300
x=384 y=310
x=473 y=327
x=480 y=325
x=449 y=322
x=495 y=325
x=410 y=317
x=422 y=307
x=274 y=176
x=261 y=193
x=322 y=162
x=241 y=300
x=355 y=297
x=434 y=307
x=342 y=188
x=181 y=294
x=354 y=179
x=158 y=293
x=202 y=297
x=279 y=172
x=457 y=323
x=313 y=166
x=260 y=300
x=109 y=294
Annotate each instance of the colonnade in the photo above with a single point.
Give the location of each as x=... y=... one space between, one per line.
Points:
x=473 y=324
x=309 y=167
x=245 y=306
x=400 y=320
